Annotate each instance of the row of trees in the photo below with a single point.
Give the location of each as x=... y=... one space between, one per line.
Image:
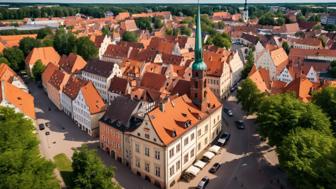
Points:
x=21 y=165
x=63 y=41
x=301 y=132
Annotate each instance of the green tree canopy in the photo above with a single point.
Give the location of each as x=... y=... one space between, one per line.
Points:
x=42 y=33
x=89 y=172
x=15 y=58
x=64 y=42
x=27 y=44
x=308 y=157
x=184 y=30
x=286 y=47
x=144 y=23
x=130 y=36
x=158 y=23
x=172 y=31
x=86 y=48
x=37 y=70
x=249 y=64
x=326 y=99
x=249 y=96
x=106 y=30
x=21 y=165
x=280 y=114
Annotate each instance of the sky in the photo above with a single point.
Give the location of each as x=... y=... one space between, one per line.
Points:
x=165 y=1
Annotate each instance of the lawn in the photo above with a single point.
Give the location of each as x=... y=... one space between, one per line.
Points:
x=63 y=164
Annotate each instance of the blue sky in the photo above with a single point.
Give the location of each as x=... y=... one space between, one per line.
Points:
x=164 y=1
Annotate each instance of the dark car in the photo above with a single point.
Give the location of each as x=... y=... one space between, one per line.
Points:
x=214 y=168
x=240 y=124
x=223 y=139
x=41 y=126
x=228 y=112
x=235 y=87
x=203 y=183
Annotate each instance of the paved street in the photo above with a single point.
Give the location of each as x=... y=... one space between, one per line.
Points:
x=65 y=140
x=242 y=162
x=242 y=165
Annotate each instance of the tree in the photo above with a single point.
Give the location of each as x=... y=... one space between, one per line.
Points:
x=4 y=60
x=86 y=48
x=27 y=44
x=130 y=36
x=15 y=58
x=220 y=25
x=42 y=33
x=89 y=171
x=106 y=30
x=144 y=23
x=185 y=31
x=157 y=23
x=249 y=96
x=326 y=99
x=308 y=158
x=278 y=115
x=286 y=47
x=220 y=40
x=37 y=70
x=249 y=64
x=172 y=31
x=332 y=69
x=21 y=165
x=64 y=42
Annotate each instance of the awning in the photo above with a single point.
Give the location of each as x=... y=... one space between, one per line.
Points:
x=215 y=149
x=209 y=155
x=200 y=164
x=193 y=170
x=222 y=141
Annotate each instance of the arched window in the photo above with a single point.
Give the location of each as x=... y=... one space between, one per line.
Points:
x=205 y=93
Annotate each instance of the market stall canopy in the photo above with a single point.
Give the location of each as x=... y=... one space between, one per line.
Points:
x=193 y=170
x=200 y=164
x=209 y=155
x=215 y=149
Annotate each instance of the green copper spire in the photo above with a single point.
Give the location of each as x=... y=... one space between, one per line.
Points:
x=199 y=63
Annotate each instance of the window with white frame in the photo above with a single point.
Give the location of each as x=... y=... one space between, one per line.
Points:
x=157 y=171
x=147 y=151
x=157 y=154
x=147 y=167
x=137 y=148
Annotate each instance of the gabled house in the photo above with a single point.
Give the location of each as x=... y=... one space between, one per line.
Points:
x=72 y=63
x=100 y=74
x=44 y=54
x=69 y=93
x=118 y=87
x=55 y=86
x=88 y=108
x=18 y=99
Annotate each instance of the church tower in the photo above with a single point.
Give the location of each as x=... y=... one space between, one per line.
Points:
x=245 y=12
x=198 y=79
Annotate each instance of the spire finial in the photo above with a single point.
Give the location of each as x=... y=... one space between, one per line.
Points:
x=198 y=64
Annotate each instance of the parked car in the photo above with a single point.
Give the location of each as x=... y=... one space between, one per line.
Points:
x=233 y=88
x=214 y=168
x=240 y=124
x=223 y=139
x=203 y=183
x=228 y=112
x=41 y=126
